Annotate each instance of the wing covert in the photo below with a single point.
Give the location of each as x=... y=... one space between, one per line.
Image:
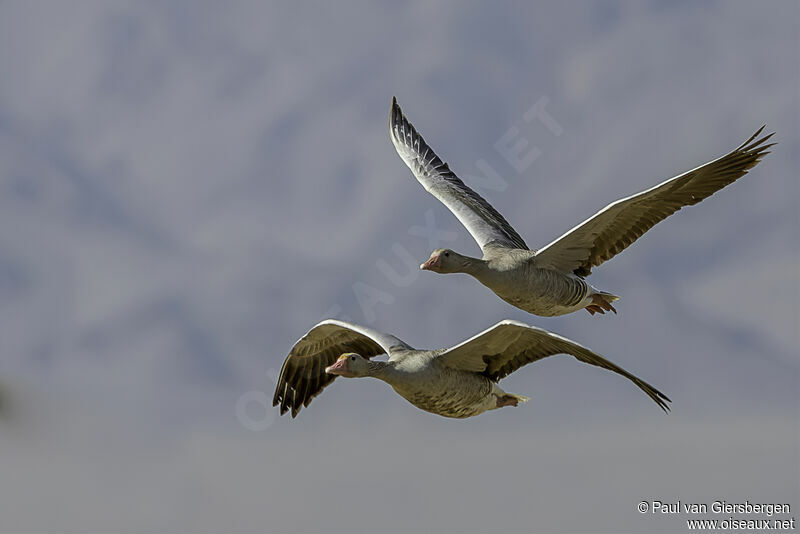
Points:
x=618 y=225
x=509 y=345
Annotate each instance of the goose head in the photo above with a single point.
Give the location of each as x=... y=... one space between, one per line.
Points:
x=444 y=260
x=349 y=365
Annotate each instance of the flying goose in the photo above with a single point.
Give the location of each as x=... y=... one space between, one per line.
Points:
x=457 y=382
x=550 y=281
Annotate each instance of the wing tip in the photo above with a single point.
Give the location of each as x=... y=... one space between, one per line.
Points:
x=395 y=112
x=396 y=119
x=660 y=399
x=754 y=144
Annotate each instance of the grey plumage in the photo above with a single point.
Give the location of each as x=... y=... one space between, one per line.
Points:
x=619 y=224
x=457 y=382
x=303 y=374
x=547 y=282
x=485 y=223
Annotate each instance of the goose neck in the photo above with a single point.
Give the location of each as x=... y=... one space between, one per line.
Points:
x=475 y=267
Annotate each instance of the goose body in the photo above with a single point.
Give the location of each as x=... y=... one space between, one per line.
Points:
x=419 y=378
x=514 y=276
x=458 y=382
x=551 y=281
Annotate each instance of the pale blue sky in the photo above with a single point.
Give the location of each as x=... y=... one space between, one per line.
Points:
x=186 y=188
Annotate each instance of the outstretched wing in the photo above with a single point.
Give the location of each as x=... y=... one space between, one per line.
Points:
x=303 y=374
x=619 y=224
x=480 y=219
x=508 y=345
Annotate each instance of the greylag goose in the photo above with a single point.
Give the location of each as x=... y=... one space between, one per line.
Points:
x=551 y=281
x=457 y=382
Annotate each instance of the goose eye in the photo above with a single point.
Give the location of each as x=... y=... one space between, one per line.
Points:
x=447 y=254
x=352 y=358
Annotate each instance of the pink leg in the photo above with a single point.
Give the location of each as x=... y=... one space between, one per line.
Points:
x=593 y=308
x=599 y=305
x=507 y=400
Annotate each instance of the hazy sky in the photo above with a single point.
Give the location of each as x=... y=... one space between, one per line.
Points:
x=186 y=188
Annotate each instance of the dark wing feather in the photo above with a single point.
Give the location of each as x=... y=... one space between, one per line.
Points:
x=480 y=219
x=619 y=224
x=508 y=345
x=303 y=375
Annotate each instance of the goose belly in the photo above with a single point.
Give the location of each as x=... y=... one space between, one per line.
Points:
x=545 y=292
x=451 y=393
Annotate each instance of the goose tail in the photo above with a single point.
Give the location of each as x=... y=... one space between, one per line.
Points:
x=608 y=297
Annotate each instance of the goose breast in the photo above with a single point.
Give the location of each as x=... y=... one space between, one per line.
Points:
x=534 y=289
x=445 y=391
